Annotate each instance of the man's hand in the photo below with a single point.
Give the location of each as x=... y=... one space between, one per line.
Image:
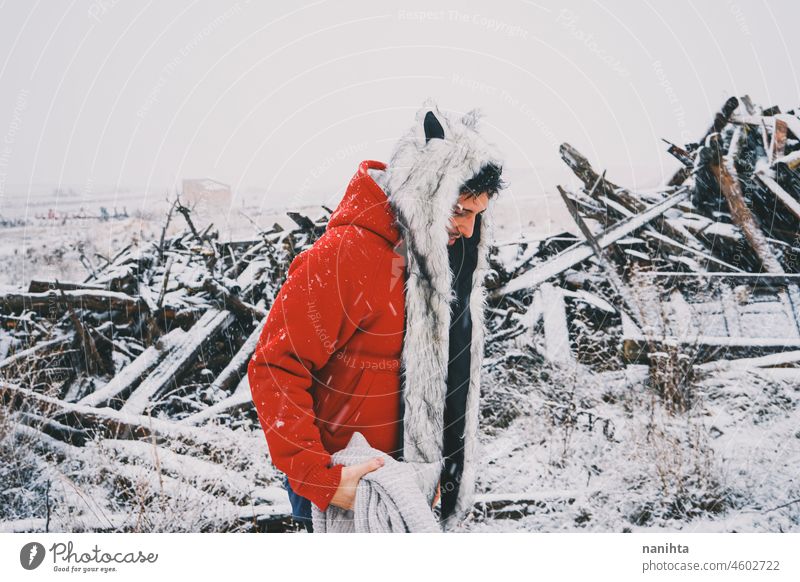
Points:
x=345 y=495
x=438 y=494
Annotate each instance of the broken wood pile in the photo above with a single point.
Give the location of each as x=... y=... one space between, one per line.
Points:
x=151 y=349
x=153 y=345
x=705 y=268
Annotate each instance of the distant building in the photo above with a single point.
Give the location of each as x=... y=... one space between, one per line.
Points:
x=211 y=199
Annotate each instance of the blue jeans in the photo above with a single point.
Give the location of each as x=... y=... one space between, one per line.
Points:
x=301 y=507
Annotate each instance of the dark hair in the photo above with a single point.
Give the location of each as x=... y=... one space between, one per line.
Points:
x=488 y=180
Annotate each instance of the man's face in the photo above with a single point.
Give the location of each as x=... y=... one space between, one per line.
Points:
x=462 y=223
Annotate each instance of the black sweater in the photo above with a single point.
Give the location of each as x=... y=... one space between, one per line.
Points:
x=463 y=260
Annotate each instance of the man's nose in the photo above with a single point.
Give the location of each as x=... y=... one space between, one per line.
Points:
x=466 y=227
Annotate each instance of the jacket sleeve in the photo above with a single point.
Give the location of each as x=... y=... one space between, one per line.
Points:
x=316 y=311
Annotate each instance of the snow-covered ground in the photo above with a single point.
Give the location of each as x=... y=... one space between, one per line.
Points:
x=563 y=448
x=601 y=453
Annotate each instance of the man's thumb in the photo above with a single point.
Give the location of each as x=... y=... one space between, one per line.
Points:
x=371 y=465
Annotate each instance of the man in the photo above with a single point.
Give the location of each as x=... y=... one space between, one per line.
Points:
x=379 y=326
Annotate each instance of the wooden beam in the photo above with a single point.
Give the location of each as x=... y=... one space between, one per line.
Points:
x=774 y=278
x=582 y=251
x=705 y=348
x=50 y=302
x=786 y=199
x=610 y=271
x=172 y=368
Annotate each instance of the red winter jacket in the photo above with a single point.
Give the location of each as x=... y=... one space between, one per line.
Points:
x=328 y=360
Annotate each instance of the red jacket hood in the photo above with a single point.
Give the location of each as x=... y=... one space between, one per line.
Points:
x=365 y=204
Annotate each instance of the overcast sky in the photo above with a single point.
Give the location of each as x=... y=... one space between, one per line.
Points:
x=289 y=97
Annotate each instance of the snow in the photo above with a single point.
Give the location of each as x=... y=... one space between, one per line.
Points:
x=724 y=230
x=738 y=448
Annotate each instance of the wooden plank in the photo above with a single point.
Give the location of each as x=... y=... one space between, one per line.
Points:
x=233 y=302
x=683 y=323
x=582 y=251
x=786 y=199
x=730 y=311
x=705 y=348
x=772 y=360
x=774 y=278
x=556 y=329
x=679 y=247
x=42 y=286
x=778 y=145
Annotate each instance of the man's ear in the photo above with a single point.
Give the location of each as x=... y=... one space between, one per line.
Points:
x=433 y=129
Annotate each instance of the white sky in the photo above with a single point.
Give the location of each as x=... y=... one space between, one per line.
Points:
x=288 y=98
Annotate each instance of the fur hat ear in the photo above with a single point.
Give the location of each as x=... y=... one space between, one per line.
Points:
x=433 y=129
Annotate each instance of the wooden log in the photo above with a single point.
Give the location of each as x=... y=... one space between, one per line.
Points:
x=50 y=303
x=37 y=439
x=207 y=476
x=596 y=183
x=42 y=286
x=517 y=506
x=242 y=398
x=725 y=174
x=782 y=195
x=652 y=233
x=38 y=350
x=178 y=362
x=236 y=370
x=116 y=391
x=778 y=144
x=241 y=308
x=94 y=363
x=620 y=201
x=109 y=423
x=53 y=429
